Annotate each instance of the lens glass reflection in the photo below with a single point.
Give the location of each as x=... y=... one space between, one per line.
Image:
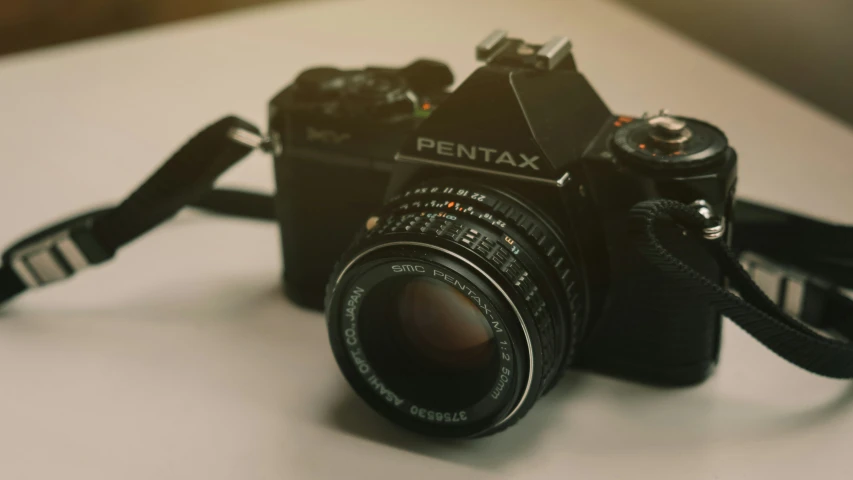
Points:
x=429 y=342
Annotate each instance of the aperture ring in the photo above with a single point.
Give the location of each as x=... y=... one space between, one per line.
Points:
x=477 y=219
x=466 y=235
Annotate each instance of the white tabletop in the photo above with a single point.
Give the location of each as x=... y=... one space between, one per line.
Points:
x=181 y=360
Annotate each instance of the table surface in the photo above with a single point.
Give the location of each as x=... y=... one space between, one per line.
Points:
x=182 y=360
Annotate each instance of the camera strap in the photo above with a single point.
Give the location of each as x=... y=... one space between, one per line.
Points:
x=60 y=250
x=802 y=263
x=809 y=322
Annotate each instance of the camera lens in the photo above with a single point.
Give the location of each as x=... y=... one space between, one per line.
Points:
x=428 y=341
x=457 y=309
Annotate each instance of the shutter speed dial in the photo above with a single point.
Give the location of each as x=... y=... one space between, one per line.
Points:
x=373 y=92
x=664 y=141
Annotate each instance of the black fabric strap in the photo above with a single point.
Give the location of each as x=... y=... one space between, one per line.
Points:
x=186 y=178
x=237 y=203
x=820 y=248
x=815 y=350
x=10 y=284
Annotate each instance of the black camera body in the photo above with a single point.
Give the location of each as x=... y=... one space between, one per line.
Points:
x=335 y=133
x=514 y=196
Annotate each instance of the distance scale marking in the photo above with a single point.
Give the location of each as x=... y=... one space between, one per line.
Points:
x=454 y=205
x=470 y=238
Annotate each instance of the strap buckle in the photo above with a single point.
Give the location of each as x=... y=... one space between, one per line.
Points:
x=797 y=292
x=270 y=144
x=55 y=256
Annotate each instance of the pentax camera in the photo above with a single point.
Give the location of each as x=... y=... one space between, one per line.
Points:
x=491 y=227
x=469 y=247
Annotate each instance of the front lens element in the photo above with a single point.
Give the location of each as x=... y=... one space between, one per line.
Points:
x=428 y=341
x=442 y=327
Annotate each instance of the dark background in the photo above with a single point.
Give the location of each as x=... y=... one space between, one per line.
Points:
x=804 y=46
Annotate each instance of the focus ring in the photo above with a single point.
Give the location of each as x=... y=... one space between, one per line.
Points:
x=561 y=262
x=477 y=220
x=464 y=235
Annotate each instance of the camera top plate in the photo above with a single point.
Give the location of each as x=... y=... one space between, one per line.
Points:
x=527 y=113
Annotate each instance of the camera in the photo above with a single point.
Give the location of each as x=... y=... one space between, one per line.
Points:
x=492 y=245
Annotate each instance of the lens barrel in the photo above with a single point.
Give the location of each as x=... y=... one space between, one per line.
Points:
x=457 y=310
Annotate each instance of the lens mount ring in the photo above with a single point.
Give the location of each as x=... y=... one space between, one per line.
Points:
x=528 y=344
x=516 y=252
x=502 y=229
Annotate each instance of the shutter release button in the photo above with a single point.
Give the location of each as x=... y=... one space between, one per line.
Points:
x=667 y=132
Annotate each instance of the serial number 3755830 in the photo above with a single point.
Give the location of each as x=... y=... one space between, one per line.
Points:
x=444 y=417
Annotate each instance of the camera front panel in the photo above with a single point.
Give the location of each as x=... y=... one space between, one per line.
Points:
x=335 y=133
x=651 y=328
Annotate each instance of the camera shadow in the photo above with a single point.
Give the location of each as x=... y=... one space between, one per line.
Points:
x=701 y=416
x=351 y=415
x=628 y=417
